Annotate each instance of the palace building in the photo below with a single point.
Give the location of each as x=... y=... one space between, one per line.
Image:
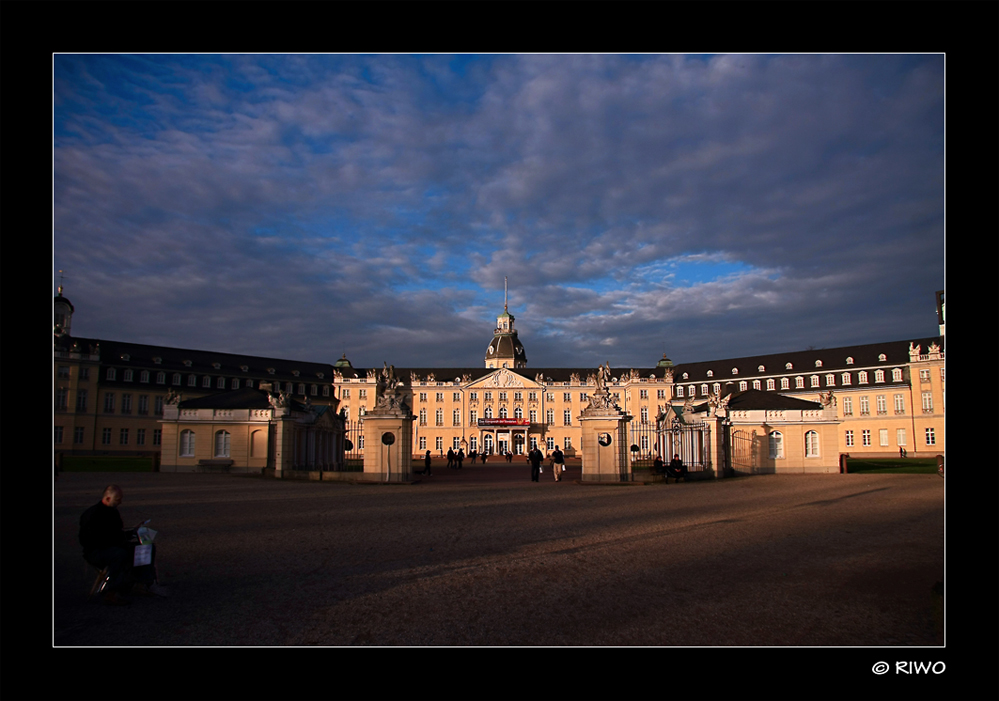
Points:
x=874 y=399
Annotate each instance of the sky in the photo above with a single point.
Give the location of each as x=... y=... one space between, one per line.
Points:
x=309 y=206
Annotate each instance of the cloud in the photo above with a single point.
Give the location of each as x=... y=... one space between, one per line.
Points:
x=300 y=204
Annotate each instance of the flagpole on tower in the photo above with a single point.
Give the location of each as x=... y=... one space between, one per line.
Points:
x=504 y=293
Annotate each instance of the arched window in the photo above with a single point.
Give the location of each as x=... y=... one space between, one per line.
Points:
x=896 y=375
x=187 y=444
x=222 y=444
x=502 y=412
x=811 y=444
x=770 y=384
x=776 y=445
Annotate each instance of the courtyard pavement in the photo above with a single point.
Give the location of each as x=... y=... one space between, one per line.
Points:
x=485 y=557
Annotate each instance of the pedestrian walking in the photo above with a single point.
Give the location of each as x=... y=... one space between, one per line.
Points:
x=450 y=458
x=558 y=464
x=426 y=465
x=460 y=457
x=535 y=457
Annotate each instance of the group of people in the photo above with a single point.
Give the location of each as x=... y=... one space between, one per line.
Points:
x=556 y=461
x=108 y=544
x=675 y=469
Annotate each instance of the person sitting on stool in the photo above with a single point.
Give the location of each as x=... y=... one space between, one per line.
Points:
x=676 y=469
x=107 y=544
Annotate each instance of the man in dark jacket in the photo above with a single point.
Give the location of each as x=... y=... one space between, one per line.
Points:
x=677 y=469
x=535 y=457
x=107 y=544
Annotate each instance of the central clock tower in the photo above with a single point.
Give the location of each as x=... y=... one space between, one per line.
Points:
x=505 y=350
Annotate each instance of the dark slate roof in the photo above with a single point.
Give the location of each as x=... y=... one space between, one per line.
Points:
x=756 y=399
x=243 y=398
x=203 y=362
x=802 y=362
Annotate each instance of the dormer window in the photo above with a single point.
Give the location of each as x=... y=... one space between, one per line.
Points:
x=818 y=363
x=882 y=357
x=158 y=361
x=685 y=376
x=270 y=371
x=735 y=371
x=188 y=363
x=789 y=367
x=216 y=365
x=849 y=361
x=125 y=356
x=320 y=375
x=711 y=373
x=244 y=368
x=295 y=373
x=761 y=368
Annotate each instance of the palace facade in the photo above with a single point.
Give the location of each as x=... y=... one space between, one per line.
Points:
x=874 y=399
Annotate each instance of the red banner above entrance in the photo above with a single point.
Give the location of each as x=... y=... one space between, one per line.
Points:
x=504 y=422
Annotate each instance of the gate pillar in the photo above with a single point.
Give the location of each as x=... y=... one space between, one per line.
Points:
x=388 y=435
x=604 y=428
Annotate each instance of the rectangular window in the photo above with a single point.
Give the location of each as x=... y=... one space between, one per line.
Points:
x=883 y=437
x=550 y=417
x=123 y=436
x=660 y=394
x=865 y=406
x=924 y=376
x=899 y=404
x=487 y=396
x=847 y=406
x=643 y=394
x=84 y=373
x=679 y=390
x=78 y=435
x=423 y=417
x=865 y=437
x=140 y=436
x=206 y=381
x=126 y=404
x=439 y=417
x=423 y=396
x=900 y=436
x=440 y=396
x=158 y=406
x=144 y=376
x=566 y=418
x=799 y=382
x=533 y=416
x=345 y=394
x=550 y=443
x=361 y=393
x=931 y=437
x=62 y=395
x=143 y=405
x=566 y=443
x=157 y=436
x=58 y=435
x=456 y=396
x=456 y=417
x=423 y=442
x=456 y=443
x=849 y=439
x=566 y=396
x=882 y=404
x=438 y=443
x=108 y=403
x=473 y=417
x=815 y=380
x=105 y=436
x=927 y=402
x=63 y=372
x=81 y=400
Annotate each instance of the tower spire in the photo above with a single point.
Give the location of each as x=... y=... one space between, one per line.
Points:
x=504 y=293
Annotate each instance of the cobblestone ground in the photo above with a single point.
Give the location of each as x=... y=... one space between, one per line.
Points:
x=483 y=556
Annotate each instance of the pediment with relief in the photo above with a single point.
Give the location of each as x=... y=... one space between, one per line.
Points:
x=501 y=379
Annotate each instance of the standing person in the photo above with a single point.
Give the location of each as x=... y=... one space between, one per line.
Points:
x=509 y=456
x=535 y=457
x=558 y=464
x=450 y=458
x=460 y=457
x=426 y=465
x=106 y=544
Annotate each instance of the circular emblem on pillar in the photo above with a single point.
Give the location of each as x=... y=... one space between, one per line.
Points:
x=348 y=445
x=604 y=439
x=388 y=438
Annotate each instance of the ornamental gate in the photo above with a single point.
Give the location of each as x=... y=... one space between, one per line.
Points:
x=689 y=441
x=742 y=452
x=354 y=443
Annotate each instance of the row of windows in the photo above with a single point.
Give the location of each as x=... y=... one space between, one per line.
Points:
x=62 y=372
x=518 y=413
x=929 y=436
x=223 y=443
x=208 y=381
x=785 y=382
x=489 y=444
x=107 y=436
x=777 y=444
x=790 y=366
